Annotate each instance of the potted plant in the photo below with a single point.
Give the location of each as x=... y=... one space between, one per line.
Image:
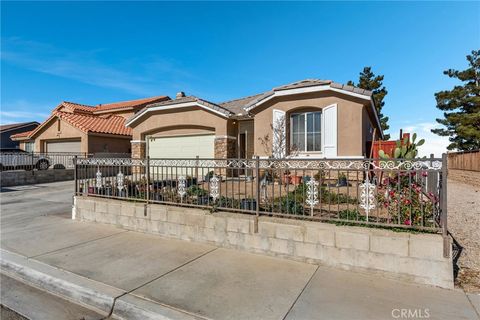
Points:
x=342 y=180
x=286 y=179
x=191 y=181
x=108 y=188
x=296 y=180
x=198 y=194
x=320 y=176
x=248 y=204
x=208 y=176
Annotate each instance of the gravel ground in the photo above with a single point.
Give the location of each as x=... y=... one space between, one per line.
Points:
x=464 y=225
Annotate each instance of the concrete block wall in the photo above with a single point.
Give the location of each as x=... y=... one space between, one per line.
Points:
x=405 y=256
x=20 y=177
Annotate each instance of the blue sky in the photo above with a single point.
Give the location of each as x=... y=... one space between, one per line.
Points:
x=99 y=52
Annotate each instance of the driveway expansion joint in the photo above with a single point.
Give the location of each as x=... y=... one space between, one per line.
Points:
x=156 y=278
x=77 y=244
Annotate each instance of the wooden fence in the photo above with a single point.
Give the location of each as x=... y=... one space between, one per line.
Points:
x=465 y=160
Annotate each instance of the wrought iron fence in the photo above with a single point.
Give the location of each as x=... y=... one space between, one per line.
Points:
x=22 y=160
x=394 y=193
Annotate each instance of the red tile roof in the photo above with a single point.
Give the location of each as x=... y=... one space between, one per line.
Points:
x=74 y=107
x=21 y=134
x=130 y=103
x=85 y=117
x=90 y=123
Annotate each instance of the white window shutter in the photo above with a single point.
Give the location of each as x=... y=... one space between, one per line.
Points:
x=329 y=131
x=279 y=134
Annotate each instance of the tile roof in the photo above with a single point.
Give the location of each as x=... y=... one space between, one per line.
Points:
x=239 y=105
x=11 y=126
x=130 y=103
x=89 y=123
x=203 y=102
x=236 y=106
x=75 y=107
x=303 y=83
x=21 y=134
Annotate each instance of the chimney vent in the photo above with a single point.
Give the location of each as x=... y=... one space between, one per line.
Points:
x=180 y=94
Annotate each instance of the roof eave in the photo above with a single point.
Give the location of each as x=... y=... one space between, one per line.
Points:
x=317 y=88
x=149 y=108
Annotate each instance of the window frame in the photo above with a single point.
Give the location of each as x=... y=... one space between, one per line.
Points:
x=305 y=113
x=29 y=143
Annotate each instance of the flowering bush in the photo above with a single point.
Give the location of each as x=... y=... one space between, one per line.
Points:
x=406 y=200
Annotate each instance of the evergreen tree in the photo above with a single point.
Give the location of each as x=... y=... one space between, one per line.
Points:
x=369 y=81
x=462 y=107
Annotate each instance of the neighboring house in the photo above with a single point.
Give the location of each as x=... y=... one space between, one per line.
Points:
x=15 y=128
x=316 y=118
x=74 y=127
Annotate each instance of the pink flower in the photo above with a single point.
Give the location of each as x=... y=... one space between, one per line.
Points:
x=408 y=222
x=424 y=173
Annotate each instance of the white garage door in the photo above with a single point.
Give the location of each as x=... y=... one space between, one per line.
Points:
x=182 y=146
x=63 y=146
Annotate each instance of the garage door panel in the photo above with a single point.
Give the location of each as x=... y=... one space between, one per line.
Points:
x=63 y=146
x=178 y=148
x=182 y=147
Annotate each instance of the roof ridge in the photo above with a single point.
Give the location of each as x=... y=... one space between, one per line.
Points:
x=90 y=115
x=123 y=101
x=246 y=97
x=78 y=104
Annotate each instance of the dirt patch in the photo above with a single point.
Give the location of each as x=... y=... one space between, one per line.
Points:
x=464 y=225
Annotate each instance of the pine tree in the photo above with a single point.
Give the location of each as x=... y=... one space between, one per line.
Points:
x=462 y=121
x=369 y=81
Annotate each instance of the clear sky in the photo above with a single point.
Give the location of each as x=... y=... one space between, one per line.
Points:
x=100 y=52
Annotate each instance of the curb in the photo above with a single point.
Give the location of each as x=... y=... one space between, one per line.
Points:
x=132 y=307
x=83 y=291
x=86 y=292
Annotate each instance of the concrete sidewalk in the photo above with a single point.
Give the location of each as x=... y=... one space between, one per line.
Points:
x=140 y=276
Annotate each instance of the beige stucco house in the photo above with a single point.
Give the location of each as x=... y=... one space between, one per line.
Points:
x=74 y=127
x=305 y=119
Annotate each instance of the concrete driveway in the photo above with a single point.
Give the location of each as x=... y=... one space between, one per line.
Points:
x=200 y=280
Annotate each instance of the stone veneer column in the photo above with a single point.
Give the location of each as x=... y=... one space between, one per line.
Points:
x=138 y=149
x=226 y=147
x=138 y=152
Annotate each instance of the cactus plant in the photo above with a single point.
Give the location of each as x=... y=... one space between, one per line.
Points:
x=404 y=149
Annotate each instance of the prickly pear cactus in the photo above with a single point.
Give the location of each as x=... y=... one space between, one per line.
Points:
x=404 y=149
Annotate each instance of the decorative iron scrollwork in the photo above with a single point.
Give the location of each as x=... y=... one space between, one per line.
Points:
x=317 y=164
x=215 y=187
x=120 y=177
x=98 y=181
x=182 y=184
x=312 y=192
x=367 y=196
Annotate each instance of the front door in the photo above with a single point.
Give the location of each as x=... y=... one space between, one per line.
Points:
x=242 y=149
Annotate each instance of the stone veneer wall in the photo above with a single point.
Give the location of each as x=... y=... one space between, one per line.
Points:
x=406 y=256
